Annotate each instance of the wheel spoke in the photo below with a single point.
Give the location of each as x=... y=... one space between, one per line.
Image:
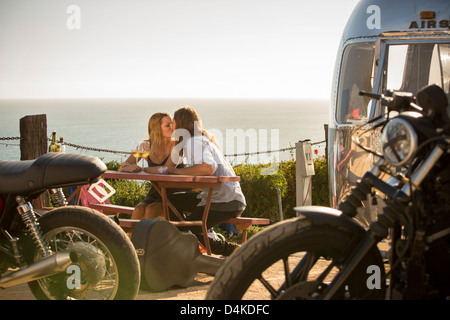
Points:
x=269 y=288
x=304 y=266
x=325 y=273
x=287 y=273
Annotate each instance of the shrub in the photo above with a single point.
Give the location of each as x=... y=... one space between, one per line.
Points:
x=320 y=192
x=128 y=192
x=289 y=200
x=319 y=186
x=261 y=191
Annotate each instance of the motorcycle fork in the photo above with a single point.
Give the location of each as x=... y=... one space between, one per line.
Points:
x=378 y=230
x=349 y=206
x=350 y=264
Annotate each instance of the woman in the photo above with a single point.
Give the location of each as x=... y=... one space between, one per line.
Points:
x=159 y=133
x=204 y=157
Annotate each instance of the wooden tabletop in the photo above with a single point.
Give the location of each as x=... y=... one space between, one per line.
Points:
x=109 y=174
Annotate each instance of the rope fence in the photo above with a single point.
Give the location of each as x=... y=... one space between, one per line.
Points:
x=128 y=152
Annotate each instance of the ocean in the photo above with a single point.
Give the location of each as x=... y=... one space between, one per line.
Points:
x=248 y=128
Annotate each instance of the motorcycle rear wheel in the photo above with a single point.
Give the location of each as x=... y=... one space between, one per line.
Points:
x=107 y=262
x=287 y=261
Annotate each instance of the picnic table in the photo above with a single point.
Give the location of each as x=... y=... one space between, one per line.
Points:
x=162 y=182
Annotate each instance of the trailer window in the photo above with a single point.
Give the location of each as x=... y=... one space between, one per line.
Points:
x=357 y=74
x=413 y=66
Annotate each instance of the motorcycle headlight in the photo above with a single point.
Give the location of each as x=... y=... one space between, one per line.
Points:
x=399 y=141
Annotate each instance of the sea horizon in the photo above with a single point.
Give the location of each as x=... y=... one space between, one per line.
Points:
x=243 y=125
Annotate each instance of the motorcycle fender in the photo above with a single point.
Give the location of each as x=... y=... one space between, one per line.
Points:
x=329 y=216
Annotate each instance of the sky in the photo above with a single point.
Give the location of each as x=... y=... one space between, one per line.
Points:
x=264 y=49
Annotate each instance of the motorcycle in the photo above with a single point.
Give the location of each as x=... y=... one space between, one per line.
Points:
x=68 y=252
x=326 y=254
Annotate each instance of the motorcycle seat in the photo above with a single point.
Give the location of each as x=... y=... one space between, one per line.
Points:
x=52 y=170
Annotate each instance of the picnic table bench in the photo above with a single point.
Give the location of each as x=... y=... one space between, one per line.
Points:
x=242 y=224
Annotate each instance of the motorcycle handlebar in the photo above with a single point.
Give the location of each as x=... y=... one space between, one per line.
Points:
x=395 y=101
x=371 y=95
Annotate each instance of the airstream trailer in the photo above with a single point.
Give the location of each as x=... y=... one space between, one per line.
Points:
x=397 y=45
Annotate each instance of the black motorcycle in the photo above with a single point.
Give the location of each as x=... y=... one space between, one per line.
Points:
x=68 y=252
x=326 y=254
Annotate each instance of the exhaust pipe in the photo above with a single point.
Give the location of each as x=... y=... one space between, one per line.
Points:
x=46 y=267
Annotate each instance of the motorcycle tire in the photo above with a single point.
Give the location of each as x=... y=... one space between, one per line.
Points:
x=106 y=259
x=270 y=255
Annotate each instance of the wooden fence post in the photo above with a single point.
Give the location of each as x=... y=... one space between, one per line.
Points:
x=33 y=136
x=33 y=144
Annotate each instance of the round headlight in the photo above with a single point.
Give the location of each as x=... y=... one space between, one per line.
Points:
x=399 y=141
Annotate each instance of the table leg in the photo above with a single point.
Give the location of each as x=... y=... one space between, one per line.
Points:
x=76 y=194
x=204 y=220
x=166 y=203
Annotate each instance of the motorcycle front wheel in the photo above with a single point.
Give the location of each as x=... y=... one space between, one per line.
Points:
x=106 y=267
x=296 y=259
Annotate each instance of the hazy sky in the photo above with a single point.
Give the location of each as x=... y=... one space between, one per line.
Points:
x=169 y=48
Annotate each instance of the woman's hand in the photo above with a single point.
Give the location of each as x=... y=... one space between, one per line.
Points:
x=130 y=167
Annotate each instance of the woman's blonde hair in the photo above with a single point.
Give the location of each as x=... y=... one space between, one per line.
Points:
x=155 y=135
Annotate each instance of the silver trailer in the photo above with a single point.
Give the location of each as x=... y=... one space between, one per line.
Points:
x=387 y=44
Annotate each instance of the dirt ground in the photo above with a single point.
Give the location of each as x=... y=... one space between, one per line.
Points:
x=196 y=291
